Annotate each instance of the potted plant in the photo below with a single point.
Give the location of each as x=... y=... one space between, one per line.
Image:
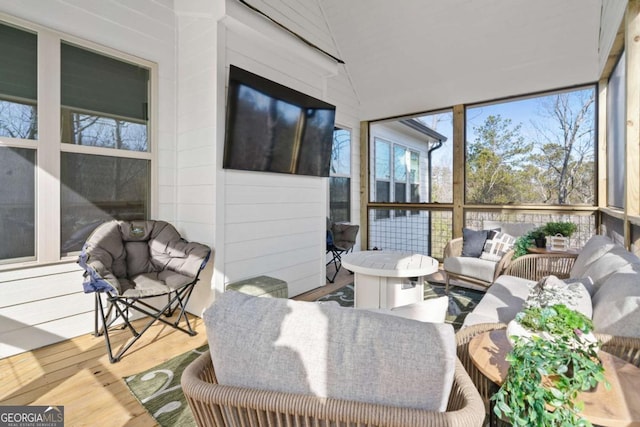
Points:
x=564 y=228
x=549 y=368
x=534 y=237
x=539 y=237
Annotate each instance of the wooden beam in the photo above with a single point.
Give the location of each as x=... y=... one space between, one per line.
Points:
x=601 y=148
x=632 y=175
x=458 y=169
x=364 y=185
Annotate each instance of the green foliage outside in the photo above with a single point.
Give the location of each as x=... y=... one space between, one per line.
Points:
x=556 y=167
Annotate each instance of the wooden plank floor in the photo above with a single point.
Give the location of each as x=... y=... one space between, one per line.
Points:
x=77 y=373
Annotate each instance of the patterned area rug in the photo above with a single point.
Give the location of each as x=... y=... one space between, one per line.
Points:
x=461 y=300
x=158 y=390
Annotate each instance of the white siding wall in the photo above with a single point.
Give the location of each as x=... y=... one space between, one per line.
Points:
x=273 y=224
x=39 y=306
x=258 y=223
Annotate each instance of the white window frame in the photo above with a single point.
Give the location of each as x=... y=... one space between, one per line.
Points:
x=49 y=146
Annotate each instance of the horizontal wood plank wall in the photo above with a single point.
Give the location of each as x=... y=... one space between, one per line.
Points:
x=43 y=305
x=274 y=224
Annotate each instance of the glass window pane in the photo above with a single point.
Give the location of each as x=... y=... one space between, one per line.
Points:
x=104 y=100
x=383 y=160
x=340 y=200
x=100 y=188
x=17 y=203
x=538 y=150
x=341 y=153
x=616 y=128
x=18 y=83
x=414 y=176
x=399 y=164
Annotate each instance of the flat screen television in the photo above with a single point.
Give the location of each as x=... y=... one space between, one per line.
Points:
x=273 y=128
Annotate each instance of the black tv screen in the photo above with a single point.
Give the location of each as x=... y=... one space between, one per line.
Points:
x=273 y=128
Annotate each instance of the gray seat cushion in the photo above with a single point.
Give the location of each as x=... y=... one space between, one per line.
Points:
x=472 y=267
x=143 y=258
x=503 y=300
x=327 y=351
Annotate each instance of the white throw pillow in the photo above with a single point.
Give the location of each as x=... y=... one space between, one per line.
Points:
x=497 y=245
x=551 y=290
x=433 y=310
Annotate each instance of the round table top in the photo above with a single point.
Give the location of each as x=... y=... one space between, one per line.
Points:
x=390 y=263
x=617 y=406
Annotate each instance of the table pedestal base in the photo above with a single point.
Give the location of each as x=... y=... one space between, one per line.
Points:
x=387 y=292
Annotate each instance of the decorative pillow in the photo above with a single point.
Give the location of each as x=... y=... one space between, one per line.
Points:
x=473 y=242
x=587 y=282
x=551 y=290
x=616 y=305
x=433 y=310
x=322 y=350
x=497 y=245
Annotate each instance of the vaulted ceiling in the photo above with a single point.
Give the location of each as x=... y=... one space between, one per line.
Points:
x=408 y=56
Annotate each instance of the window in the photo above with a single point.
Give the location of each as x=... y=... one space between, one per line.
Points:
x=340 y=179
x=616 y=128
x=18 y=132
x=17 y=203
x=18 y=83
x=536 y=150
x=99 y=134
x=104 y=104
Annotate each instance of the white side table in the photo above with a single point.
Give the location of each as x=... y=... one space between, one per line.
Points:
x=385 y=279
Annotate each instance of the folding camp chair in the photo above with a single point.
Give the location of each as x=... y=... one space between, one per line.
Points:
x=341 y=238
x=127 y=263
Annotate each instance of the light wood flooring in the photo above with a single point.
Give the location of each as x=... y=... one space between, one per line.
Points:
x=77 y=373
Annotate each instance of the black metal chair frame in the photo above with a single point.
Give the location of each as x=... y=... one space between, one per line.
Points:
x=118 y=307
x=336 y=259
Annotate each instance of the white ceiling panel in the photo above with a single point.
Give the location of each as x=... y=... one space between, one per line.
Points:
x=407 y=56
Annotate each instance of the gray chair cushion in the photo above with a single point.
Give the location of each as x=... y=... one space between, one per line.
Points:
x=473 y=267
x=323 y=350
x=143 y=258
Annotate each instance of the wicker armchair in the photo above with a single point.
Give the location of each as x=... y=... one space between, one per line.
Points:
x=218 y=405
x=453 y=249
x=535 y=267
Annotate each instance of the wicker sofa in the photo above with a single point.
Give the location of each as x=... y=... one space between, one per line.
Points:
x=294 y=363
x=611 y=276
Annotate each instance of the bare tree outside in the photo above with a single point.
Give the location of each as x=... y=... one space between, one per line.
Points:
x=565 y=145
x=545 y=158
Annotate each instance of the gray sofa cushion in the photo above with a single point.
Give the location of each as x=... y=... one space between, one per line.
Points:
x=592 y=251
x=323 y=350
x=608 y=263
x=616 y=305
x=502 y=301
x=473 y=267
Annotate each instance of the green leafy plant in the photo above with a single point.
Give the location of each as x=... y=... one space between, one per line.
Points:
x=546 y=374
x=565 y=228
x=525 y=241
